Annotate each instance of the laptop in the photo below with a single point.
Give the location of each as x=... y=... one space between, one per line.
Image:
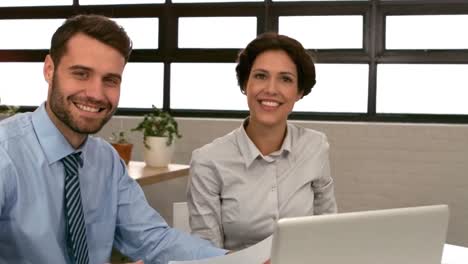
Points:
x=414 y=235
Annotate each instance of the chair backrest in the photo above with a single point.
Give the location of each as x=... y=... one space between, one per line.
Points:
x=180 y=216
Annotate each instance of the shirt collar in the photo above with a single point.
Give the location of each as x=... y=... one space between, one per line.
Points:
x=250 y=152
x=51 y=140
x=287 y=142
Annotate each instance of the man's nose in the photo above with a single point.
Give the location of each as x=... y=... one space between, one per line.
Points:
x=95 y=89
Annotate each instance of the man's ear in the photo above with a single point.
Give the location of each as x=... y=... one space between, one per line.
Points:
x=48 y=69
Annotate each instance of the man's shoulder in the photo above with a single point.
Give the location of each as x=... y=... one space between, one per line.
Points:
x=15 y=127
x=100 y=154
x=101 y=147
x=15 y=142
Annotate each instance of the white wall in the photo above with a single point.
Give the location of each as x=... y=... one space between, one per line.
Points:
x=374 y=165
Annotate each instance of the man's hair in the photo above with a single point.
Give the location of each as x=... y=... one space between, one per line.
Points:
x=273 y=41
x=98 y=27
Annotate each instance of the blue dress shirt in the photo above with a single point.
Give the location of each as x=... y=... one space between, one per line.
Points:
x=32 y=221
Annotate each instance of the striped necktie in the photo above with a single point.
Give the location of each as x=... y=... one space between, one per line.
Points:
x=76 y=228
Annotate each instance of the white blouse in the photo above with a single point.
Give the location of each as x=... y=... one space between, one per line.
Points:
x=235 y=194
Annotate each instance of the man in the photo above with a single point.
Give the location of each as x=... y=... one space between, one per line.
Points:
x=66 y=197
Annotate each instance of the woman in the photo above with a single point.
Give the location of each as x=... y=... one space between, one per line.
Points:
x=242 y=183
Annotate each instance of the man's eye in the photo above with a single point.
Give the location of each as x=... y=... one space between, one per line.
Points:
x=112 y=81
x=80 y=74
x=286 y=79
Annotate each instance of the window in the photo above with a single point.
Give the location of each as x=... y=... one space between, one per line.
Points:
x=142 y=85
x=426 y=32
x=216 y=32
x=438 y=89
x=142 y=31
x=212 y=1
x=206 y=86
x=379 y=60
x=113 y=2
x=14 y=85
x=39 y=33
x=339 y=88
x=11 y=3
x=324 y=32
x=313 y=0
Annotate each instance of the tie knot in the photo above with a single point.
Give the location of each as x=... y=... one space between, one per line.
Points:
x=72 y=162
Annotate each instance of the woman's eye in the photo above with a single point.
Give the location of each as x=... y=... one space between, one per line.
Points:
x=260 y=76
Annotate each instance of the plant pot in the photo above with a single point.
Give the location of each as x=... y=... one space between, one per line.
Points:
x=159 y=154
x=124 y=150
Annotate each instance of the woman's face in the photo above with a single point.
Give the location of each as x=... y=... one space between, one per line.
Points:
x=271 y=88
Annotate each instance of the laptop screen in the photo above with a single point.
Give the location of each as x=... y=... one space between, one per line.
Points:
x=414 y=235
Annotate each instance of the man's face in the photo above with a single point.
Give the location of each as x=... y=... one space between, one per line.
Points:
x=84 y=88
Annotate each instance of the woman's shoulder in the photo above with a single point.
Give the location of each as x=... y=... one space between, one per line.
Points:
x=306 y=134
x=218 y=148
x=308 y=142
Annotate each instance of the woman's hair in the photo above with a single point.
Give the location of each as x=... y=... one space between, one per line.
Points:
x=98 y=27
x=273 y=41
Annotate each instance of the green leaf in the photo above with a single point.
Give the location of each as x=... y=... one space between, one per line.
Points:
x=158 y=123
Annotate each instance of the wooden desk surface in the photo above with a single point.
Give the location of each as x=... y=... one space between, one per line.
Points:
x=146 y=175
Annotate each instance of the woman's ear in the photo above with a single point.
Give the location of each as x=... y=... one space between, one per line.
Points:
x=48 y=70
x=243 y=90
x=300 y=94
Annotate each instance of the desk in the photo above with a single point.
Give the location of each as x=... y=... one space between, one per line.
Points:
x=145 y=175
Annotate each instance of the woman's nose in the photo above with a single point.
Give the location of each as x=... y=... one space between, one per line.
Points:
x=271 y=86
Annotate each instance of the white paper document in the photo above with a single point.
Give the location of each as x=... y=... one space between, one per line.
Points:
x=454 y=254
x=256 y=254
x=260 y=252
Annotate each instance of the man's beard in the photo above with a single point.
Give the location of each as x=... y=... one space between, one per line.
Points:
x=58 y=106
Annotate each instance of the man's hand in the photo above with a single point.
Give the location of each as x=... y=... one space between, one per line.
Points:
x=138 y=262
x=267 y=262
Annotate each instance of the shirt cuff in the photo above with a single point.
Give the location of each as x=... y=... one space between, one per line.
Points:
x=210 y=252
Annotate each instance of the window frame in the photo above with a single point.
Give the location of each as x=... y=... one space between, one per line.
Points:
x=373 y=53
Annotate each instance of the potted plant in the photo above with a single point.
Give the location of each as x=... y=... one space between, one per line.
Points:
x=8 y=110
x=159 y=133
x=119 y=140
